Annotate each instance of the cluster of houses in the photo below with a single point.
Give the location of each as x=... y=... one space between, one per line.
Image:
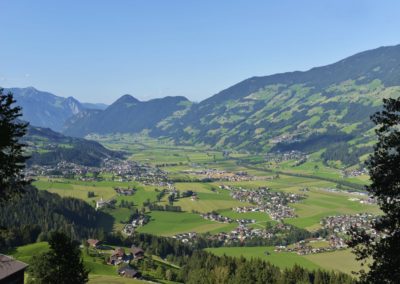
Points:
x=238 y=235
x=120 y=170
x=273 y=203
x=129 y=170
x=278 y=157
x=138 y=221
x=186 y=238
x=213 y=216
x=220 y=175
x=354 y=172
x=120 y=257
x=305 y=247
x=341 y=224
x=61 y=169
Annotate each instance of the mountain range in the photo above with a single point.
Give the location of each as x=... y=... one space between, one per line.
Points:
x=44 y=109
x=312 y=110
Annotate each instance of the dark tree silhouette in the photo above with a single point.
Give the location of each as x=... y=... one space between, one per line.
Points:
x=61 y=265
x=384 y=168
x=12 y=158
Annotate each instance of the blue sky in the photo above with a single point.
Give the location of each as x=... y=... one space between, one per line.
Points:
x=99 y=50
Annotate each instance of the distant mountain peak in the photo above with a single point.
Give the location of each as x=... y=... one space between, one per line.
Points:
x=126 y=99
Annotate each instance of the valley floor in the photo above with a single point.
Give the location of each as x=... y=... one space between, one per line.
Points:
x=207 y=173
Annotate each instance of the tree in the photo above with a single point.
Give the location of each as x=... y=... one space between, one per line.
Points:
x=171 y=199
x=12 y=160
x=61 y=265
x=384 y=170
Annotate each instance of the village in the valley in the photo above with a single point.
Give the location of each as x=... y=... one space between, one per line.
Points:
x=275 y=204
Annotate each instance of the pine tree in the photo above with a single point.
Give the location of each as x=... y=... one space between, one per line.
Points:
x=12 y=158
x=61 y=265
x=384 y=170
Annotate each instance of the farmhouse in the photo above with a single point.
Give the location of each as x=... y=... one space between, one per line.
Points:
x=118 y=256
x=128 y=272
x=137 y=252
x=11 y=270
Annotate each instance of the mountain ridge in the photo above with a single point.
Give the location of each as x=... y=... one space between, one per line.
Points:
x=283 y=111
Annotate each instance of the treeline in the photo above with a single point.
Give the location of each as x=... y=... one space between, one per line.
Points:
x=344 y=153
x=171 y=208
x=34 y=215
x=199 y=266
x=203 y=267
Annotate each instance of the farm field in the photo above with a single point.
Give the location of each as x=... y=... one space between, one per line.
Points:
x=172 y=223
x=282 y=260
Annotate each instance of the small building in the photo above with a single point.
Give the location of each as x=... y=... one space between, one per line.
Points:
x=137 y=252
x=11 y=270
x=101 y=203
x=118 y=256
x=128 y=272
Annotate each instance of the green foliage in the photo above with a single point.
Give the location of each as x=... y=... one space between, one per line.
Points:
x=11 y=150
x=74 y=150
x=385 y=175
x=38 y=213
x=346 y=154
x=61 y=264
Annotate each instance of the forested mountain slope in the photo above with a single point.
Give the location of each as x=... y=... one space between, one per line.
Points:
x=298 y=110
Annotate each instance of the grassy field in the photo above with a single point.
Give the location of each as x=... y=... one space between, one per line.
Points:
x=171 y=223
x=320 y=204
x=107 y=279
x=281 y=260
x=342 y=260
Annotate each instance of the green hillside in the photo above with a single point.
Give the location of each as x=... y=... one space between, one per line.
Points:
x=47 y=147
x=305 y=111
x=325 y=108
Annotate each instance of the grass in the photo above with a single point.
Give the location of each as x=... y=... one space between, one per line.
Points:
x=172 y=223
x=282 y=260
x=342 y=260
x=320 y=204
x=107 y=279
x=210 y=201
x=25 y=253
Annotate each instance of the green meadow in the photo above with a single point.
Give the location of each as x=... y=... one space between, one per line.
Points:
x=172 y=223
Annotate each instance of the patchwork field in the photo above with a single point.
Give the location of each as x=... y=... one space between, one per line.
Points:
x=319 y=203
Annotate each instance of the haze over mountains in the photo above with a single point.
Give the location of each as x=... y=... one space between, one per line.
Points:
x=289 y=111
x=48 y=110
